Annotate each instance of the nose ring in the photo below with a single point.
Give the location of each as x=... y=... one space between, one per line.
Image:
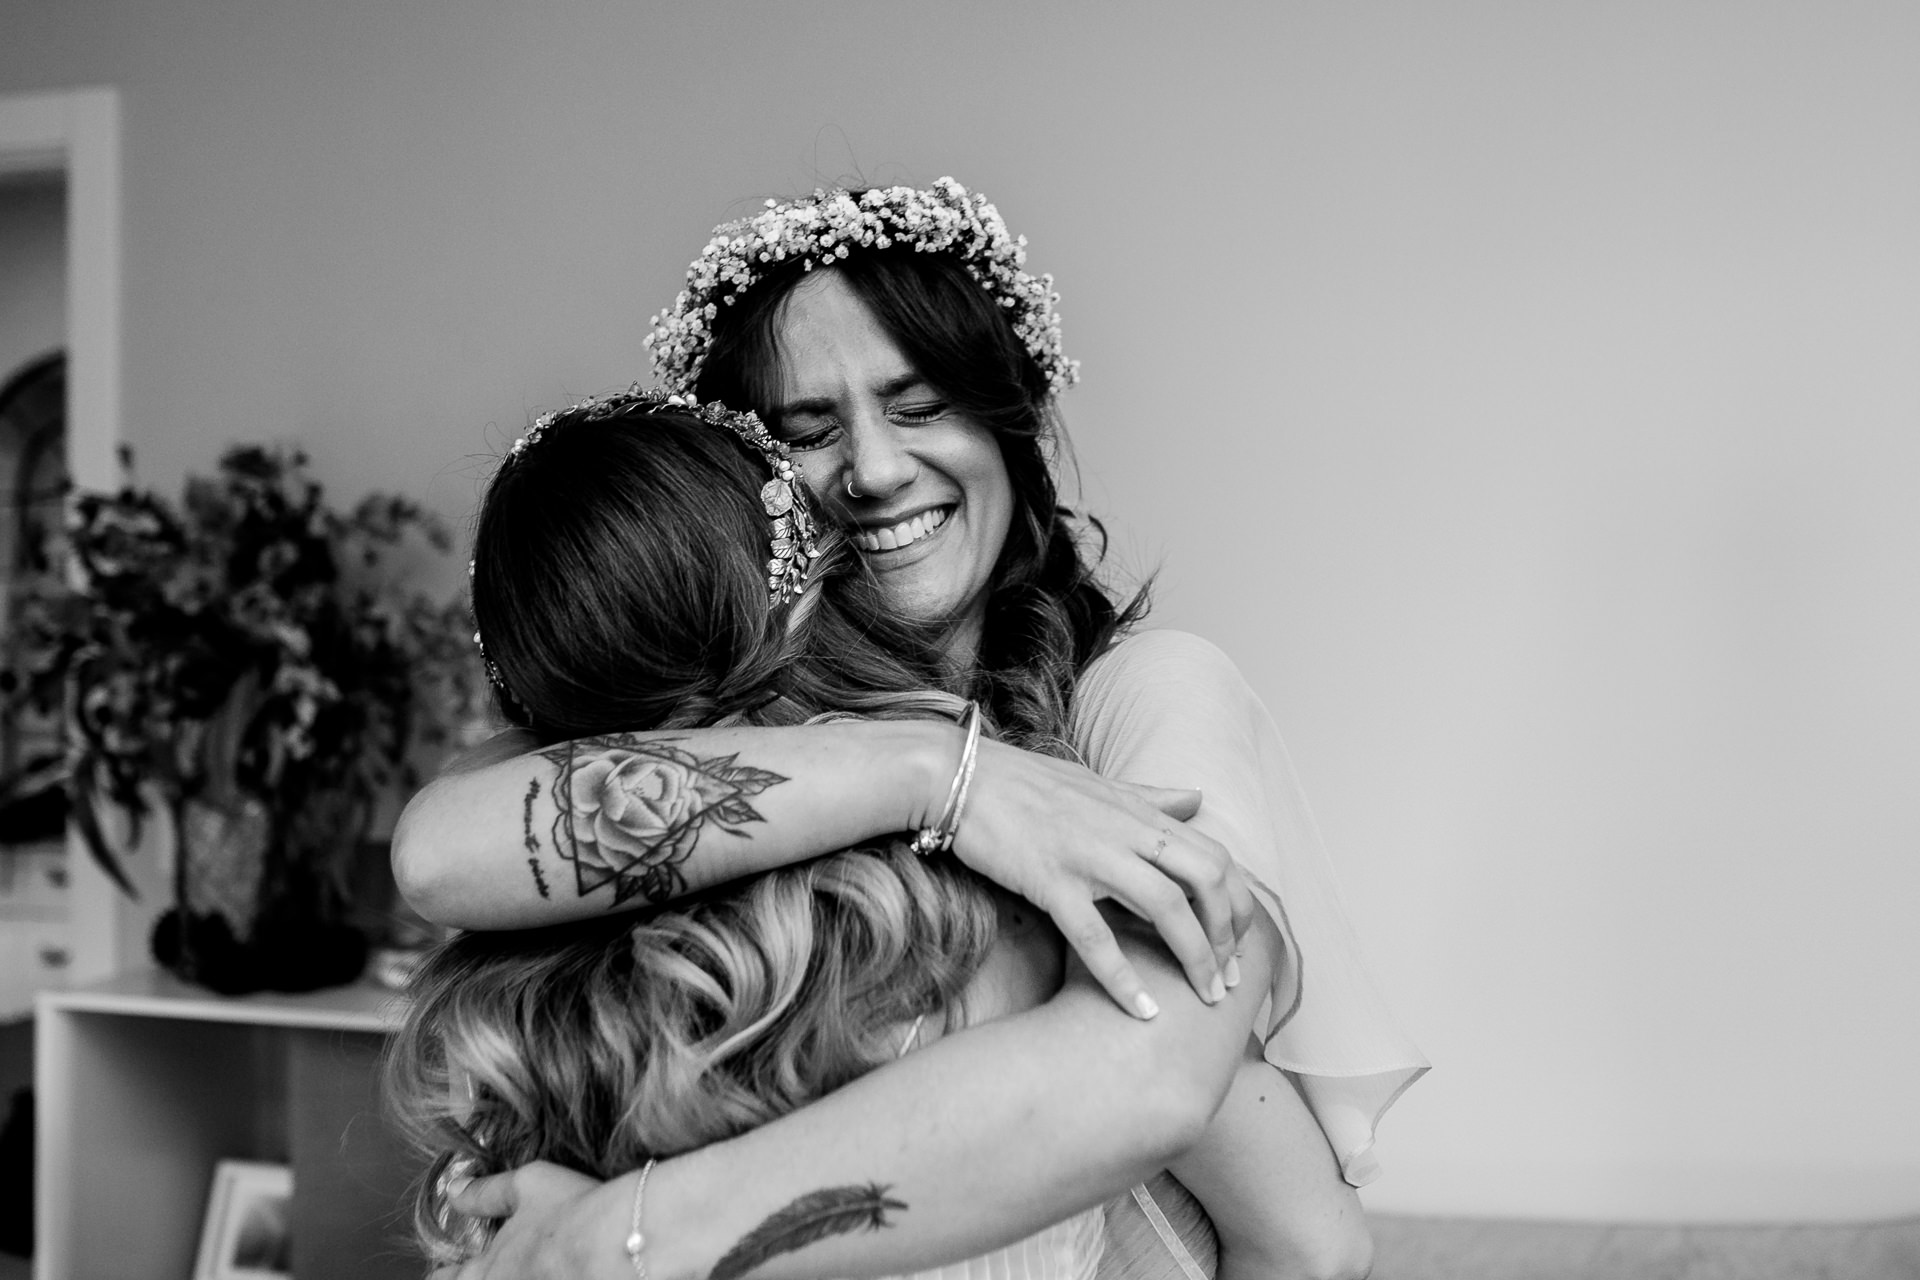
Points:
x=850 y=492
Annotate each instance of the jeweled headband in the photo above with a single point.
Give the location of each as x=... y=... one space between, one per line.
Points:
x=794 y=544
x=818 y=230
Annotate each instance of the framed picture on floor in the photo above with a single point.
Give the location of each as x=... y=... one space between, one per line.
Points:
x=247 y=1233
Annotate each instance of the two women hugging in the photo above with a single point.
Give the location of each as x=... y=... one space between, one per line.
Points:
x=718 y=1010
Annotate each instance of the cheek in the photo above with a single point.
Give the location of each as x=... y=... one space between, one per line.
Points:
x=818 y=474
x=992 y=497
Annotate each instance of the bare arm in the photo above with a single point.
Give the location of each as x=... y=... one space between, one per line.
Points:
x=628 y=820
x=1268 y=1180
x=979 y=1139
x=633 y=819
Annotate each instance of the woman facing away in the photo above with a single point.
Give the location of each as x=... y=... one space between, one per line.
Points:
x=895 y=341
x=612 y=1044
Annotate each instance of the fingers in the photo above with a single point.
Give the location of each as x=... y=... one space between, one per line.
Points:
x=490 y=1197
x=1176 y=802
x=1245 y=906
x=1091 y=938
x=1220 y=897
x=1163 y=903
x=1082 y=838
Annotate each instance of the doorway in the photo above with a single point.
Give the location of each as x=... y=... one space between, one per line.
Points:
x=68 y=144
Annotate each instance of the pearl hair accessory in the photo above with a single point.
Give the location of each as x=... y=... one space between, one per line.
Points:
x=820 y=229
x=794 y=545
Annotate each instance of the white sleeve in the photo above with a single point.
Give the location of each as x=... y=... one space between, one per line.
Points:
x=1170 y=709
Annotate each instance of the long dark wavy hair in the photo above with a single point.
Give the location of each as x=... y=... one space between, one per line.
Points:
x=1047 y=613
x=620 y=584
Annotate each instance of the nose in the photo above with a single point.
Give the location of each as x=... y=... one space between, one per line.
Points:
x=878 y=463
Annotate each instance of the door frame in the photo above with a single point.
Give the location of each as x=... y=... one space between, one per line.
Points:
x=76 y=134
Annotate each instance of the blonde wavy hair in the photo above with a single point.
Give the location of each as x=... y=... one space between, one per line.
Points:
x=601 y=1045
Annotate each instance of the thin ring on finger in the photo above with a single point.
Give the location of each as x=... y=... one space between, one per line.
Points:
x=1159 y=847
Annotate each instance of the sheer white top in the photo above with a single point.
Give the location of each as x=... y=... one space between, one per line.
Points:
x=1169 y=708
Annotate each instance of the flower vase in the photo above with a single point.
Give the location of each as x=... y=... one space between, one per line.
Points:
x=252 y=909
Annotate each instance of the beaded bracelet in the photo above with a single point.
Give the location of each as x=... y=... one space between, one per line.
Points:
x=635 y=1241
x=938 y=838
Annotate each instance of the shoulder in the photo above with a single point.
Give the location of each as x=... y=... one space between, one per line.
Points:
x=1160 y=684
x=1162 y=656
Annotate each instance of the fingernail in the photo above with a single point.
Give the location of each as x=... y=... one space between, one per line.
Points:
x=1233 y=971
x=457 y=1187
x=1217 y=992
x=1144 y=1006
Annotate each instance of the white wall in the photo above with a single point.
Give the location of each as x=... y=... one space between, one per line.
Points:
x=1525 y=394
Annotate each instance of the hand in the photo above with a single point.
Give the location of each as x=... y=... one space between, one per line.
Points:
x=551 y=1219
x=1064 y=838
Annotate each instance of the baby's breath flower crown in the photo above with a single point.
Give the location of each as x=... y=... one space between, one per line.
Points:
x=794 y=545
x=823 y=228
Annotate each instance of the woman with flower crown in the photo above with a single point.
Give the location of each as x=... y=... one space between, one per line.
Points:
x=896 y=342
x=630 y=1040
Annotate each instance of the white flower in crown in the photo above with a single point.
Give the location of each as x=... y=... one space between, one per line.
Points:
x=527 y=441
x=818 y=231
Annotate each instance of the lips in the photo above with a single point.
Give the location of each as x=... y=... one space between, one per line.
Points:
x=904 y=534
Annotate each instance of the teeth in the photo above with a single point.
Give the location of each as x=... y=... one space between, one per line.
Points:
x=906 y=533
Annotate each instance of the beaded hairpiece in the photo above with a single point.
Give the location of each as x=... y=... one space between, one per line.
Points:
x=794 y=545
x=819 y=229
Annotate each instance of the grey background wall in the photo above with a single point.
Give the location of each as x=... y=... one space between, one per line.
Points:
x=1525 y=395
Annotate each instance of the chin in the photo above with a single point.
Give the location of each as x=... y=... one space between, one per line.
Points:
x=917 y=604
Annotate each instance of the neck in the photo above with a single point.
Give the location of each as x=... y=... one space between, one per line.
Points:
x=961 y=644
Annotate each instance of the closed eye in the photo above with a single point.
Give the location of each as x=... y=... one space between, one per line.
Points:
x=824 y=434
x=919 y=411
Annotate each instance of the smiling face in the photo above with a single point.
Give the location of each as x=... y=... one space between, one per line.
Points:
x=933 y=501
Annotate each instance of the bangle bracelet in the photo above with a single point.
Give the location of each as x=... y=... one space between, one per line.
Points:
x=938 y=838
x=635 y=1241
x=965 y=780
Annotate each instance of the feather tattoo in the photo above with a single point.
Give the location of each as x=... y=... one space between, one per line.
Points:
x=834 y=1211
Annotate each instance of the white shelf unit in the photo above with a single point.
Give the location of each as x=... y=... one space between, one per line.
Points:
x=144 y=1083
x=36 y=952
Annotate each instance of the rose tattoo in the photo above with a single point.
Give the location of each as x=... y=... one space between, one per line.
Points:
x=631 y=811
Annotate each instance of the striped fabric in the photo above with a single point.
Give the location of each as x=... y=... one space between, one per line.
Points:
x=1067 y=1250
x=1158 y=1231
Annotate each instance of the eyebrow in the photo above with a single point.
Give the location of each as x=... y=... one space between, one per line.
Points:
x=824 y=404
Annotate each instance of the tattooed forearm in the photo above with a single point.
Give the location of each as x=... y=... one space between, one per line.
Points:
x=630 y=810
x=834 y=1211
x=532 y=843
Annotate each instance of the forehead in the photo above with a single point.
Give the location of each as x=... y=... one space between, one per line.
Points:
x=831 y=344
